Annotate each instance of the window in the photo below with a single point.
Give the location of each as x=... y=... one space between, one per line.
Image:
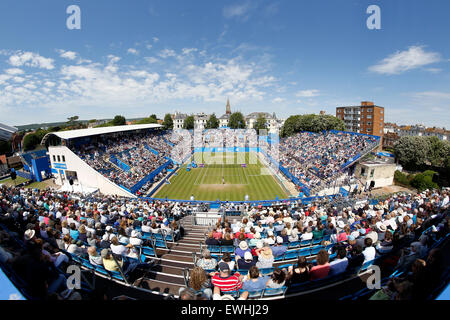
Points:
x=372 y=172
x=369 y=123
x=59 y=159
x=369 y=110
x=369 y=116
x=63 y=158
x=54 y=158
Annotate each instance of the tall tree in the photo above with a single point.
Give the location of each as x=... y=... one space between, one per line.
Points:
x=261 y=123
x=213 y=122
x=72 y=120
x=412 y=152
x=168 y=122
x=312 y=123
x=189 y=123
x=119 y=121
x=237 y=121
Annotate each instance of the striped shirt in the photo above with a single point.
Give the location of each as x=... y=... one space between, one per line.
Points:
x=231 y=283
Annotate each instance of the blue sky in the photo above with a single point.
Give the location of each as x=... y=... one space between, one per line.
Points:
x=141 y=57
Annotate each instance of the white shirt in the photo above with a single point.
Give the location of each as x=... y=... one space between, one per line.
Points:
x=369 y=254
x=119 y=249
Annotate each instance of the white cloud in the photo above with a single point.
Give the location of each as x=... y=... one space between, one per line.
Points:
x=133 y=51
x=278 y=100
x=240 y=11
x=92 y=85
x=31 y=59
x=307 y=93
x=187 y=51
x=402 y=61
x=151 y=59
x=70 y=55
x=14 y=71
x=167 y=53
x=155 y=39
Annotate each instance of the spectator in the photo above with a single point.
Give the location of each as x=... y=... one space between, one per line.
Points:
x=207 y=262
x=248 y=261
x=254 y=281
x=339 y=265
x=300 y=273
x=277 y=279
x=322 y=268
x=226 y=282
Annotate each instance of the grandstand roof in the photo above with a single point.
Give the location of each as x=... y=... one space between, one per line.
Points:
x=73 y=134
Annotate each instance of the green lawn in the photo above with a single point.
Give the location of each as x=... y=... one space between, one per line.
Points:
x=10 y=182
x=207 y=183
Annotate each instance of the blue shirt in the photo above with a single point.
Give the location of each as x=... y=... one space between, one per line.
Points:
x=259 y=284
x=338 y=266
x=278 y=251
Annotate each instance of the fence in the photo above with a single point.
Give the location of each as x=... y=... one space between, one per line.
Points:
x=205 y=218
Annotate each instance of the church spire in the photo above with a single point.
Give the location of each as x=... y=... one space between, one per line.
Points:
x=228 y=111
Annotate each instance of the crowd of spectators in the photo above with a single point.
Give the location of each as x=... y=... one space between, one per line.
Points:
x=393 y=228
x=54 y=225
x=316 y=158
x=134 y=150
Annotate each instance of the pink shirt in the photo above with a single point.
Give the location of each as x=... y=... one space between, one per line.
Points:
x=319 y=271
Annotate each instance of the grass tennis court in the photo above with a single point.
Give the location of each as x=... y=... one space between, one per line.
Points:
x=223 y=177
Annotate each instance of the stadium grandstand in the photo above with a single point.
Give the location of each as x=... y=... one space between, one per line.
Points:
x=315 y=244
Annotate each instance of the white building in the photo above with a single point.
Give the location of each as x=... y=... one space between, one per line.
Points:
x=66 y=165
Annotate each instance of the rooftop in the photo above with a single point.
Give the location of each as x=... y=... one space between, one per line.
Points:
x=73 y=134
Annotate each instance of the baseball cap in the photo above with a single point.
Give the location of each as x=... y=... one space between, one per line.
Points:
x=223 y=266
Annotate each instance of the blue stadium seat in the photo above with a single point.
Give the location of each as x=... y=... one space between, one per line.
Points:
x=253 y=294
x=305 y=243
x=316 y=249
x=293 y=244
x=270 y=292
x=291 y=255
x=304 y=252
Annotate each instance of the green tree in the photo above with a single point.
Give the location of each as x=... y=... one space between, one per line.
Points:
x=260 y=124
x=5 y=147
x=30 y=142
x=72 y=120
x=439 y=151
x=189 y=123
x=213 y=122
x=412 y=152
x=119 y=121
x=148 y=120
x=312 y=123
x=423 y=181
x=237 y=121
x=153 y=116
x=168 y=122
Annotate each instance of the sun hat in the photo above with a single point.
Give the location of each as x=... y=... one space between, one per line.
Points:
x=257 y=235
x=341 y=224
x=279 y=240
x=382 y=227
x=29 y=234
x=243 y=245
x=248 y=256
x=259 y=244
x=267 y=253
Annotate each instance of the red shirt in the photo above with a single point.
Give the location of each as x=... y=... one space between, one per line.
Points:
x=232 y=283
x=319 y=271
